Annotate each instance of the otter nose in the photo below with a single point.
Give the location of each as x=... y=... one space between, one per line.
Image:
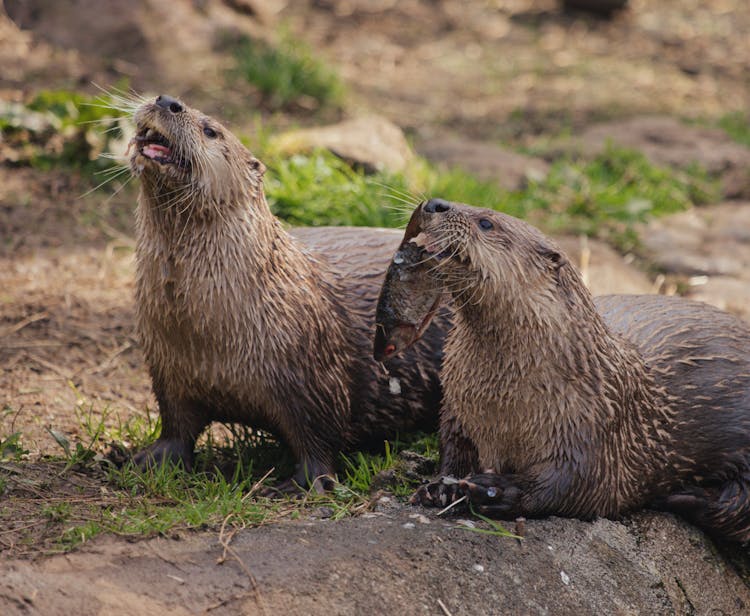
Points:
x=167 y=102
x=436 y=206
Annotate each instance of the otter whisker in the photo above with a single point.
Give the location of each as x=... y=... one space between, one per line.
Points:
x=398 y=195
x=394 y=190
x=116 y=169
x=470 y=298
x=107 y=180
x=128 y=101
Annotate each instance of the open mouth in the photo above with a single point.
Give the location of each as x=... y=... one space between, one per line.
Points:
x=155 y=146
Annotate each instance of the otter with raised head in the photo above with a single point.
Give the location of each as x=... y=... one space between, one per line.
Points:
x=559 y=404
x=241 y=321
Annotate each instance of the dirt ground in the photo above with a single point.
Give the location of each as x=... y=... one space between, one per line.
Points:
x=521 y=70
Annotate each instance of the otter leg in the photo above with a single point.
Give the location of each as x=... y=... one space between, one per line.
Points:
x=315 y=446
x=181 y=423
x=722 y=511
x=308 y=474
x=458 y=455
x=458 y=458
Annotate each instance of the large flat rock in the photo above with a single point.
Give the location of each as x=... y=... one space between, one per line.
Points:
x=604 y=270
x=488 y=161
x=708 y=247
x=370 y=142
x=394 y=563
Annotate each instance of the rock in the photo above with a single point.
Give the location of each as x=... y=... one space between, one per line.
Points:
x=372 y=143
x=487 y=161
x=604 y=270
x=129 y=38
x=667 y=141
x=649 y=564
x=709 y=249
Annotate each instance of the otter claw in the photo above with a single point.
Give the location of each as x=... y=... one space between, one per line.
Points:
x=439 y=493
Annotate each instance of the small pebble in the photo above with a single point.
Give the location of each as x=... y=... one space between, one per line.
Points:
x=478 y=567
x=565 y=578
x=409 y=525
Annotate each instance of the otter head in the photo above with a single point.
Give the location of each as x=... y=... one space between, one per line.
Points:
x=474 y=256
x=477 y=247
x=183 y=156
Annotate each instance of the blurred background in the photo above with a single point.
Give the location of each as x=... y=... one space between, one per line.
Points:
x=623 y=133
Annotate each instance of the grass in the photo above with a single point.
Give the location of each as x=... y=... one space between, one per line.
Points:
x=223 y=491
x=737 y=125
x=604 y=197
x=84 y=126
x=495 y=528
x=287 y=74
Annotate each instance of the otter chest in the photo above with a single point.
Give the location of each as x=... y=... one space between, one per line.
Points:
x=500 y=417
x=195 y=317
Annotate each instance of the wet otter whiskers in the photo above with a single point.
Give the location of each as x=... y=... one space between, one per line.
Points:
x=577 y=407
x=241 y=321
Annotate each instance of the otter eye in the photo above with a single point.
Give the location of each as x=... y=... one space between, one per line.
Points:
x=485 y=225
x=209 y=132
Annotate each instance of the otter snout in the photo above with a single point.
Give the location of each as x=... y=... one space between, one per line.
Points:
x=167 y=102
x=437 y=206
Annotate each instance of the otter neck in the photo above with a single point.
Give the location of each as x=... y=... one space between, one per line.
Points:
x=177 y=220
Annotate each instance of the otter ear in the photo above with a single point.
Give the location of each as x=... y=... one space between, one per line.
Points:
x=554 y=257
x=258 y=166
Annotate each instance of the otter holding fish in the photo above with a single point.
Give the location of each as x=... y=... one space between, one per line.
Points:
x=559 y=404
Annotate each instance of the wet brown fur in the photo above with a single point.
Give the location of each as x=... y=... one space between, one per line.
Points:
x=584 y=407
x=241 y=321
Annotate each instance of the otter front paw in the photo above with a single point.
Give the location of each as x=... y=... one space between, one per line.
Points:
x=165 y=451
x=439 y=493
x=492 y=494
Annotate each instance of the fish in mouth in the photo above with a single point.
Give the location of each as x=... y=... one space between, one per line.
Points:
x=410 y=296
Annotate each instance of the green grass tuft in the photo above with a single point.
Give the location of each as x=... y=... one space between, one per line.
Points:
x=608 y=195
x=288 y=74
x=321 y=189
x=737 y=125
x=80 y=128
x=11 y=448
x=603 y=197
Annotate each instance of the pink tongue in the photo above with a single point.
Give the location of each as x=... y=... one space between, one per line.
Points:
x=154 y=150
